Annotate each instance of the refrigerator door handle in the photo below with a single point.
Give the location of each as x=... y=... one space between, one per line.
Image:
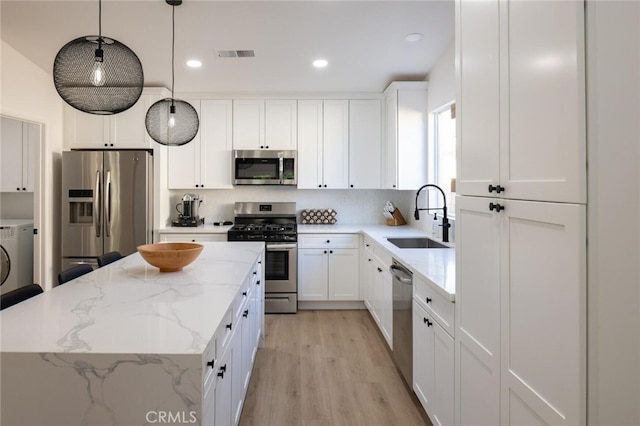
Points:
x=108 y=202
x=97 y=208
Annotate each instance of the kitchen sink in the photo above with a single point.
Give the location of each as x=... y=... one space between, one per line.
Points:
x=415 y=242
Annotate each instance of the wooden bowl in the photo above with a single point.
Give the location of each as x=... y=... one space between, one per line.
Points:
x=170 y=257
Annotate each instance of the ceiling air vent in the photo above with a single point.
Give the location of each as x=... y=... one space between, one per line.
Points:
x=236 y=53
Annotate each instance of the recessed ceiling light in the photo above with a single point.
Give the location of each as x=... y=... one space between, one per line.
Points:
x=194 y=63
x=414 y=37
x=320 y=63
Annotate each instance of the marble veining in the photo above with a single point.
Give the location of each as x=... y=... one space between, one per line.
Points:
x=130 y=307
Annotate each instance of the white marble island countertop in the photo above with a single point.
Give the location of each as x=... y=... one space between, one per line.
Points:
x=130 y=307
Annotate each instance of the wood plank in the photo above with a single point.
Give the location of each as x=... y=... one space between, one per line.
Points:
x=327 y=368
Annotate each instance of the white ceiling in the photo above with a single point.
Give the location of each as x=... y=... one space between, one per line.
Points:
x=362 y=40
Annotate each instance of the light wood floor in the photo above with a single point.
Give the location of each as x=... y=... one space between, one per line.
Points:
x=327 y=368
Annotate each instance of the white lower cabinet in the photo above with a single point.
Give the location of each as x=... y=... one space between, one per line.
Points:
x=520 y=314
x=328 y=267
x=226 y=380
x=378 y=292
x=433 y=367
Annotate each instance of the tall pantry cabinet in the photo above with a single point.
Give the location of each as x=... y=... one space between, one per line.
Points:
x=520 y=213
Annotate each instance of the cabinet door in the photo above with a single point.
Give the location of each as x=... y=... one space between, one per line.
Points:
x=477 y=312
x=11 y=155
x=443 y=377
x=335 y=152
x=194 y=238
x=344 y=276
x=127 y=129
x=281 y=124
x=365 y=139
x=84 y=130
x=30 y=155
x=312 y=274
x=184 y=161
x=216 y=144
x=543 y=335
x=309 y=144
x=368 y=290
x=543 y=154
x=248 y=124
x=386 y=303
x=477 y=97
x=223 y=389
x=390 y=150
x=423 y=363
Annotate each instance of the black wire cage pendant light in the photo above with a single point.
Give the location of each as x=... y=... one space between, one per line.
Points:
x=97 y=74
x=172 y=121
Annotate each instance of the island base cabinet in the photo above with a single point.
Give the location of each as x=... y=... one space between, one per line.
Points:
x=433 y=367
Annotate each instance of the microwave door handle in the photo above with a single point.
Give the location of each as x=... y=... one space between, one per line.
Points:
x=281 y=169
x=108 y=203
x=97 y=206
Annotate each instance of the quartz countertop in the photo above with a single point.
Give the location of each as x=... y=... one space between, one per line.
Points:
x=130 y=307
x=437 y=266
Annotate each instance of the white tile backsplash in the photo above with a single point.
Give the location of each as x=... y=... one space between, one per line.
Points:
x=354 y=206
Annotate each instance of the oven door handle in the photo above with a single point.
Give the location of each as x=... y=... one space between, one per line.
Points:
x=281 y=247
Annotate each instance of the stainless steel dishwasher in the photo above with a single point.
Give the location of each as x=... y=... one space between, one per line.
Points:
x=403 y=320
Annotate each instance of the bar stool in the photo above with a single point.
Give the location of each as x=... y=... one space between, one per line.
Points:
x=73 y=273
x=18 y=295
x=108 y=258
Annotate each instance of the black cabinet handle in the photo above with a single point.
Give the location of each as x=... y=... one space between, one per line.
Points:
x=229 y=326
x=496 y=188
x=222 y=370
x=258 y=282
x=255 y=272
x=497 y=207
x=429 y=323
x=245 y=313
x=428 y=300
x=244 y=293
x=210 y=363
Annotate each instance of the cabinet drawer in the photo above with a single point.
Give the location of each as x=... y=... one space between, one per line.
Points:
x=242 y=298
x=439 y=307
x=209 y=363
x=328 y=240
x=369 y=246
x=193 y=237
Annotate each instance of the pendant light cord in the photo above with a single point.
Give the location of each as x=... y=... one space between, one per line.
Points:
x=173 y=48
x=99 y=24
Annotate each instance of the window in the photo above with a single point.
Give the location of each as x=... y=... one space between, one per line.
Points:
x=443 y=155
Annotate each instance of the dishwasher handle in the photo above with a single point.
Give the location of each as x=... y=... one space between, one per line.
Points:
x=401 y=274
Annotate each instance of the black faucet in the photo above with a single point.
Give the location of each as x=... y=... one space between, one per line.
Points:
x=445 y=222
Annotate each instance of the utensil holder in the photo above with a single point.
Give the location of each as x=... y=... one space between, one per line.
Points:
x=397 y=219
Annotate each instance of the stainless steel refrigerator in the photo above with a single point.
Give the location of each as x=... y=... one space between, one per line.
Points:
x=107 y=203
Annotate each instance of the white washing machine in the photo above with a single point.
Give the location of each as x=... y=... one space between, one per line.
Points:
x=16 y=254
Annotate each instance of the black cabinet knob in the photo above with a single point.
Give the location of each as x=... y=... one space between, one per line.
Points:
x=222 y=370
x=325 y=186
x=330 y=251
x=325 y=252
x=319 y=186
x=328 y=241
x=24 y=189
x=267 y=146
x=496 y=188
x=210 y=363
x=245 y=313
x=429 y=323
x=17 y=189
x=244 y=293
x=379 y=269
x=229 y=326
x=261 y=146
x=495 y=206
x=351 y=186
x=428 y=300
x=258 y=282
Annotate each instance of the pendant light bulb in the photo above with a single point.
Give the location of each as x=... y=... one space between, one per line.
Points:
x=172 y=117
x=97 y=74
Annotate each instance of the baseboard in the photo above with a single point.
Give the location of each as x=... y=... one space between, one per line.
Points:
x=330 y=305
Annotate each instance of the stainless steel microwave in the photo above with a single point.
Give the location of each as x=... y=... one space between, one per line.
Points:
x=264 y=167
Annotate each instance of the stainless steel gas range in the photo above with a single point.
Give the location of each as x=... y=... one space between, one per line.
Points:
x=275 y=224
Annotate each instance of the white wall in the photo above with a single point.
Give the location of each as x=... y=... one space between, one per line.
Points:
x=16 y=205
x=27 y=93
x=613 y=133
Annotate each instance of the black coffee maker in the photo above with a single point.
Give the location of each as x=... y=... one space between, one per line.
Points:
x=188 y=211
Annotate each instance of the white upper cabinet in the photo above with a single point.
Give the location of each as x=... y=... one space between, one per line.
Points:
x=310 y=138
x=365 y=139
x=205 y=162
x=335 y=147
x=281 y=125
x=405 y=142
x=521 y=100
x=19 y=146
x=123 y=130
x=260 y=124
